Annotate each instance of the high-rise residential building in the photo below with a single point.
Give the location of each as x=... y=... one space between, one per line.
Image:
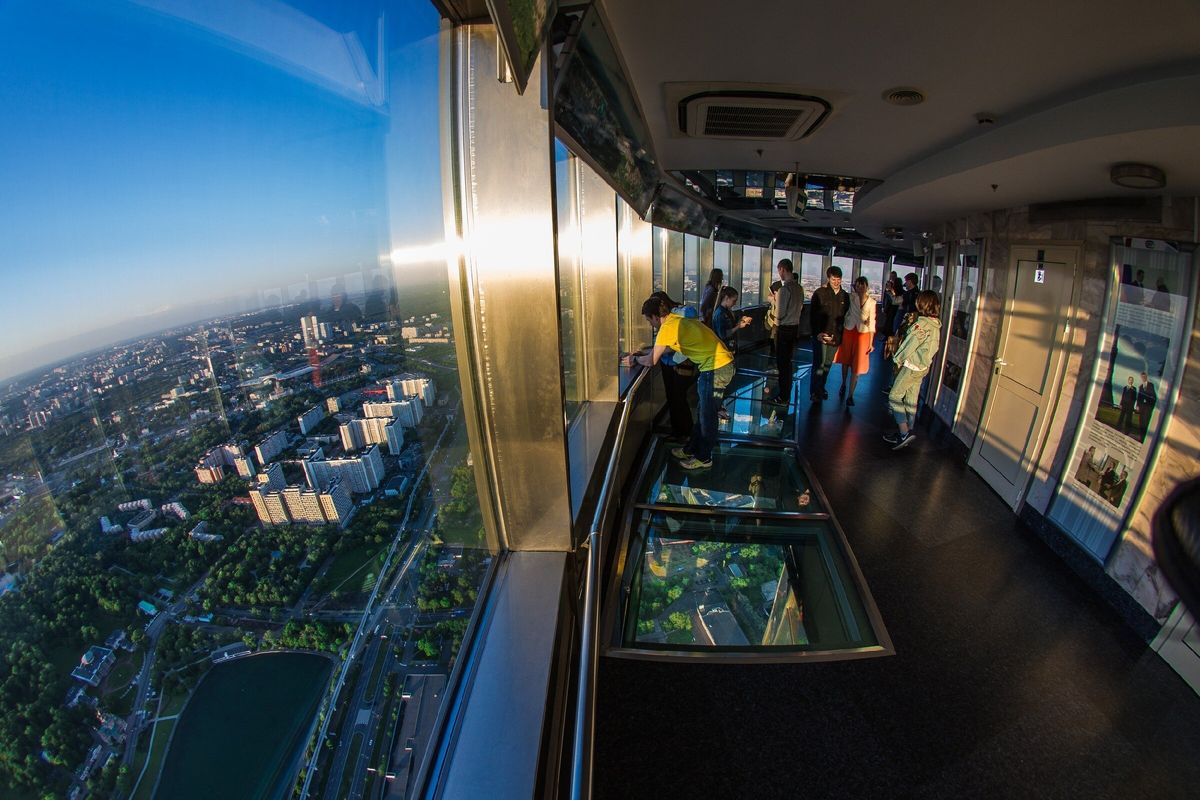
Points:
x=311 y=418
x=408 y=412
x=303 y=505
x=363 y=473
x=271 y=479
x=336 y=503
x=244 y=466
x=211 y=467
x=408 y=385
x=358 y=433
x=268 y=448
x=314 y=332
x=269 y=506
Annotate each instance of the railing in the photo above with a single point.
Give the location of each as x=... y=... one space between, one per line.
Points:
x=581 y=761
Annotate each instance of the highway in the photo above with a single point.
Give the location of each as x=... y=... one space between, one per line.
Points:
x=371 y=615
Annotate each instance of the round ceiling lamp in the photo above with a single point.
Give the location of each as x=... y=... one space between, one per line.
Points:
x=1138 y=176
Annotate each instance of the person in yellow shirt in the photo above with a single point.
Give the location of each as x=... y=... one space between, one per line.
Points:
x=697 y=342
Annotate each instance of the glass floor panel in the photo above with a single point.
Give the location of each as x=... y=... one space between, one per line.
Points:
x=750 y=414
x=763 y=363
x=726 y=584
x=746 y=476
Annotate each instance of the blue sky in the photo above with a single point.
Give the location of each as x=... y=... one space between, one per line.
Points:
x=164 y=161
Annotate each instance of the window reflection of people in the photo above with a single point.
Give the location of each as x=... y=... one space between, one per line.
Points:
x=1147 y=398
x=376 y=306
x=1135 y=290
x=1162 y=296
x=341 y=309
x=1116 y=492
x=1128 y=405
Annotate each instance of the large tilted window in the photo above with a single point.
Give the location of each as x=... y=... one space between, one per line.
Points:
x=230 y=412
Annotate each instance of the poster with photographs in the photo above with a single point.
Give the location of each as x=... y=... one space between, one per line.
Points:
x=1145 y=334
x=958 y=321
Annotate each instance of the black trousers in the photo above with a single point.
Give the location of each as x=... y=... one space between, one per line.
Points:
x=676 y=386
x=785 y=344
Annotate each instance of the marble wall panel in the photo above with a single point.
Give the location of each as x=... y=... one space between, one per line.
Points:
x=1132 y=565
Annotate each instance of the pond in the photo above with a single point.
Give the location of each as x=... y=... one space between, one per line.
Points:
x=244 y=728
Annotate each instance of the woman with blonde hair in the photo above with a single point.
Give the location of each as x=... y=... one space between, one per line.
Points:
x=858 y=338
x=913 y=357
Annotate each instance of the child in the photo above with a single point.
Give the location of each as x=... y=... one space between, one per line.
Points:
x=725 y=327
x=913 y=358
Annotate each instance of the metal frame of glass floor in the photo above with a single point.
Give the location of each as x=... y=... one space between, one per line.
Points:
x=739 y=562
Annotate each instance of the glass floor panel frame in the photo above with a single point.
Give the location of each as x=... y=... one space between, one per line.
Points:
x=619 y=594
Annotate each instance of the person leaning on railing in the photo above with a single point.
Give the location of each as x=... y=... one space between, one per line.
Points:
x=678 y=375
x=700 y=345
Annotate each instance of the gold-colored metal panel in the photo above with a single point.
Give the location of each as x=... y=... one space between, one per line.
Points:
x=598 y=228
x=635 y=252
x=500 y=218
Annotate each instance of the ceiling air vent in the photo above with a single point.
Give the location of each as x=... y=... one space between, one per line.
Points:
x=761 y=116
x=904 y=96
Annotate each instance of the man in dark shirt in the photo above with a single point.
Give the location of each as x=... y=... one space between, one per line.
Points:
x=908 y=300
x=1128 y=403
x=789 y=305
x=1147 y=398
x=828 y=312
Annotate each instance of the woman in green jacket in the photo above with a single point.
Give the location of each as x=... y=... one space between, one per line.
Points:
x=913 y=357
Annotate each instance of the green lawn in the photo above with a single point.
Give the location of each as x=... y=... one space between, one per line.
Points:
x=172 y=704
x=468 y=532
x=680 y=637
x=121 y=675
x=348 y=564
x=162 y=732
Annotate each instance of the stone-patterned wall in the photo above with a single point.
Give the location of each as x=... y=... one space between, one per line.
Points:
x=1133 y=566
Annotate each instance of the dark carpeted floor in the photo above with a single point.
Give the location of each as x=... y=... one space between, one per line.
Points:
x=1011 y=678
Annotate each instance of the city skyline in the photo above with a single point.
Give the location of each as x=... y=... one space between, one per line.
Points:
x=160 y=177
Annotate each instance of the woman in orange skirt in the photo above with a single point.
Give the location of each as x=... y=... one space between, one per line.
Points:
x=858 y=339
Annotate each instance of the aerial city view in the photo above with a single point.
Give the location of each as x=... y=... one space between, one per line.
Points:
x=238 y=516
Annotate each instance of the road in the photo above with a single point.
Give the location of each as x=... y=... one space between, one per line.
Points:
x=153 y=631
x=370 y=615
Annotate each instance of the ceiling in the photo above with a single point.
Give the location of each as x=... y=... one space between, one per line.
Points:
x=1075 y=87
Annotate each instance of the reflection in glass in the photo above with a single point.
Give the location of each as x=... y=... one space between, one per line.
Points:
x=812 y=273
x=570 y=281
x=873 y=272
x=725 y=584
x=750 y=476
x=238 y=414
x=692 y=279
x=751 y=272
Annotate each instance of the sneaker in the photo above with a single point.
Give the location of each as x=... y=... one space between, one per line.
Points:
x=679 y=452
x=850 y=400
x=892 y=438
x=694 y=463
x=904 y=441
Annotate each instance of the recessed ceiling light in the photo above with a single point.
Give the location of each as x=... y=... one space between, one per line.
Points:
x=1138 y=176
x=904 y=96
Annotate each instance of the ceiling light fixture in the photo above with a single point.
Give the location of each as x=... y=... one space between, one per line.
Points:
x=1138 y=176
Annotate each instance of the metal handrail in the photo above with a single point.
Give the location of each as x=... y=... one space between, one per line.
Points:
x=581 y=774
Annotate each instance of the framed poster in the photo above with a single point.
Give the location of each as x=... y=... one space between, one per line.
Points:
x=958 y=318
x=1144 y=335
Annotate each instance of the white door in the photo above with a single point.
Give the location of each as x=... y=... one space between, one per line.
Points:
x=1179 y=644
x=1025 y=374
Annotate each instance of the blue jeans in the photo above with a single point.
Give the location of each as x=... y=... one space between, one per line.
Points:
x=711 y=388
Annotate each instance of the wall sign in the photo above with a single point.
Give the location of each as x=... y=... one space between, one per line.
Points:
x=1143 y=337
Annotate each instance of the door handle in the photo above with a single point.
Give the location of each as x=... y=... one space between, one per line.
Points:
x=1000 y=363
